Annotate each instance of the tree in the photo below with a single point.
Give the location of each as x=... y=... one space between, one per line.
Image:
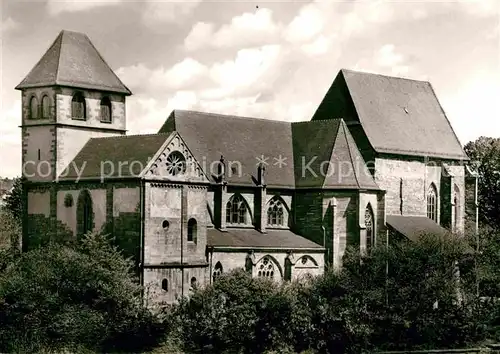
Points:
x=82 y=297
x=485 y=157
x=14 y=201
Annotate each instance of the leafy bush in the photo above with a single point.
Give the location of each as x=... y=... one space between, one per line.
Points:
x=61 y=297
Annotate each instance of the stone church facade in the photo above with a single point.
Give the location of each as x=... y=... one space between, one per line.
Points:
x=210 y=193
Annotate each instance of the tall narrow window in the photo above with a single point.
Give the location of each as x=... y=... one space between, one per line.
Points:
x=85 y=213
x=236 y=210
x=105 y=110
x=275 y=213
x=33 y=108
x=194 y=283
x=456 y=199
x=217 y=271
x=432 y=202
x=164 y=285
x=78 y=109
x=45 y=107
x=192 y=229
x=370 y=230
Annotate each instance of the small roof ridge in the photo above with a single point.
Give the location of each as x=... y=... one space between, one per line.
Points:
x=382 y=75
x=229 y=116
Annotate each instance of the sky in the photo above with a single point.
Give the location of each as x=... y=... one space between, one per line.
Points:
x=265 y=59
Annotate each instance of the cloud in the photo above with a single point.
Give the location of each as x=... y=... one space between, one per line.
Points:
x=308 y=23
x=386 y=60
x=158 y=13
x=9 y=25
x=245 y=30
x=56 y=7
x=179 y=76
x=11 y=140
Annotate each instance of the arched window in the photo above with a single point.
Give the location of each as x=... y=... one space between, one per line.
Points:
x=78 y=107
x=275 y=213
x=432 y=202
x=456 y=200
x=217 y=271
x=33 y=108
x=194 y=283
x=266 y=268
x=192 y=226
x=85 y=213
x=105 y=110
x=45 y=107
x=236 y=210
x=370 y=230
x=164 y=285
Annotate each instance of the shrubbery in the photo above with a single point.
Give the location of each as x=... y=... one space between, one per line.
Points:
x=84 y=297
x=400 y=298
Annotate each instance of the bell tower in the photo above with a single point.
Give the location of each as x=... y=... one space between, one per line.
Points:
x=70 y=96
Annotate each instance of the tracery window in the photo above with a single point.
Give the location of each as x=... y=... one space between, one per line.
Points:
x=176 y=164
x=266 y=268
x=432 y=202
x=236 y=210
x=275 y=213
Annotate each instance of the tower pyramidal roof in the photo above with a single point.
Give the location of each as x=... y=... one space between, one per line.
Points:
x=72 y=60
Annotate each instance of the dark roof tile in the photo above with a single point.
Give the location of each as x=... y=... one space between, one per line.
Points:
x=248 y=238
x=72 y=60
x=114 y=157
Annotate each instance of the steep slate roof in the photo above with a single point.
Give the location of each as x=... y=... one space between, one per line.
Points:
x=284 y=239
x=414 y=227
x=399 y=116
x=245 y=140
x=132 y=151
x=331 y=154
x=72 y=60
x=238 y=139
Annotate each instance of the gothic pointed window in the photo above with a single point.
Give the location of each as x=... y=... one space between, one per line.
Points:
x=275 y=213
x=192 y=226
x=85 y=213
x=266 y=268
x=45 y=107
x=217 y=271
x=432 y=203
x=33 y=108
x=236 y=210
x=370 y=230
x=105 y=110
x=78 y=107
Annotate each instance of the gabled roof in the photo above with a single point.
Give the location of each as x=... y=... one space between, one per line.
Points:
x=72 y=60
x=399 y=116
x=114 y=157
x=244 y=238
x=246 y=140
x=326 y=156
x=240 y=140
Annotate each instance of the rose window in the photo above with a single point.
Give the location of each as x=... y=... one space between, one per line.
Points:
x=176 y=164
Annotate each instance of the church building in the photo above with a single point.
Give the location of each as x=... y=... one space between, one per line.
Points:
x=209 y=193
